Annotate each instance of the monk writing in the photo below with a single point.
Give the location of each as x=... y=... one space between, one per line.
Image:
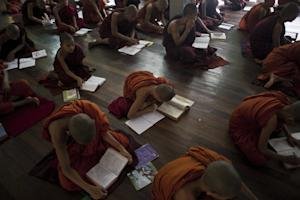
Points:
x=93 y=11
x=256 y=119
x=14 y=94
x=118 y=29
x=269 y=33
x=145 y=90
x=80 y=135
x=255 y=15
x=152 y=13
x=199 y=174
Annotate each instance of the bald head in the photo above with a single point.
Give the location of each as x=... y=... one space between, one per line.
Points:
x=131 y=12
x=66 y=38
x=289 y=12
x=190 y=10
x=222 y=179
x=165 y=92
x=13 y=31
x=82 y=128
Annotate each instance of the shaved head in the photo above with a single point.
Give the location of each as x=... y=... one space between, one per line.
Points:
x=131 y=11
x=66 y=38
x=82 y=128
x=190 y=10
x=289 y=12
x=13 y=31
x=165 y=92
x=222 y=179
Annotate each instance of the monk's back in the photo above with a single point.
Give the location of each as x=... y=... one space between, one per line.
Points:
x=254 y=14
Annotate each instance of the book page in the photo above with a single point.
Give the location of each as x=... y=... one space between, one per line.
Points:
x=102 y=176
x=12 y=65
x=39 y=54
x=247 y=8
x=110 y=3
x=170 y=110
x=26 y=62
x=218 y=35
x=92 y=83
x=201 y=42
x=181 y=102
x=280 y=144
x=145 y=42
x=226 y=26
x=129 y=50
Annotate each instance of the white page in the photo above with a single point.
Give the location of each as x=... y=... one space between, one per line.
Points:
x=179 y=100
x=11 y=65
x=145 y=42
x=82 y=31
x=113 y=161
x=218 y=35
x=39 y=54
x=296 y=135
x=226 y=26
x=92 y=83
x=129 y=50
x=80 y=15
x=280 y=144
x=253 y=1
x=101 y=176
x=26 y=62
x=153 y=117
x=201 y=42
x=110 y=3
x=247 y=8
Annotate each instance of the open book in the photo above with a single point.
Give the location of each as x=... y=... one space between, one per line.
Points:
x=175 y=107
x=92 y=83
x=71 y=95
x=3 y=133
x=144 y=122
x=247 y=8
x=110 y=166
x=282 y=147
x=226 y=26
x=82 y=31
x=218 y=36
x=21 y=63
x=39 y=54
x=201 y=42
x=134 y=49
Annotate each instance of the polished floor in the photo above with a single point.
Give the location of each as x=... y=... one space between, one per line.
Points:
x=215 y=92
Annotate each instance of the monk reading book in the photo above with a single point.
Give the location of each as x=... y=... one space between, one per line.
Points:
x=14 y=43
x=80 y=134
x=93 y=11
x=14 y=94
x=118 y=29
x=179 y=36
x=235 y=4
x=69 y=63
x=269 y=33
x=66 y=17
x=254 y=121
x=255 y=15
x=208 y=13
x=34 y=11
x=152 y=13
x=199 y=174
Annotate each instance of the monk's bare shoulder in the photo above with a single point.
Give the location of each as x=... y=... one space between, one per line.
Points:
x=144 y=91
x=57 y=130
x=184 y=194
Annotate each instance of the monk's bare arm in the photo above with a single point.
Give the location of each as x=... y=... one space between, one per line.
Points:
x=147 y=19
x=203 y=25
x=178 y=39
x=57 y=17
x=114 y=28
x=12 y=53
x=96 y=9
x=66 y=68
x=276 y=36
x=30 y=14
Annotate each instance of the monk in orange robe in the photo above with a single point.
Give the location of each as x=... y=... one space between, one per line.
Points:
x=200 y=174
x=93 y=11
x=282 y=64
x=80 y=134
x=256 y=119
x=149 y=16
x=14 y=94
x=66 y=17
x=145 y=91
x=255 y=15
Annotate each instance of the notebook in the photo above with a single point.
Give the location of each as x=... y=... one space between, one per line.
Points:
x=26 y=62
x=282 y=147
x=247 y=8
x=82 y=31
x=175 y=107
x=144 y=122
x=71 y=95
x=134 y=49
x=226 y=26
x=201 y=42
x=39 y=54
x=145 y=154
x=12 y=65
x=218 y=36
x=143 y=176
x=110 y=166
x=3 y=133
x=92 y=83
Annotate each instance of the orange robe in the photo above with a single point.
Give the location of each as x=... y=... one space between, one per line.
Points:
x=139 y=79
x=249 y=118
x=252 y=17
x=174 y=175
x=18 y=88
x=83 y=158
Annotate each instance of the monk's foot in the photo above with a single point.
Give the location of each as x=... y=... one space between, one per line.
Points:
x=33 y=100
x=273 y=79
x=257 y=61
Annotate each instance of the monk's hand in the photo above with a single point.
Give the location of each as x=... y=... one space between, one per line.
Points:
x=97 y=192
x=79 y=82
x=133 y=41
x=126 y=154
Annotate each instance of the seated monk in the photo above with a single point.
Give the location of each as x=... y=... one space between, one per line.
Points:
x=14 y=94
x=199 y=174
x=145 y=91
x=125 y=3
x=208 y=14
x=66 y=17
x=14 y=43
x=255 y=15
x=180 y=34
x=93 y=11
x=282 y=64
x=149 y=16
x=69 y=63
x=282 y=2
x=118 y=28
x=235 y=5
x=34 y=12
x=80 y=134
x=269 y=33
x=256 y=119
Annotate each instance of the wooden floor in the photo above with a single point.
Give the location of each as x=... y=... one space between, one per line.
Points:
x=216 y=93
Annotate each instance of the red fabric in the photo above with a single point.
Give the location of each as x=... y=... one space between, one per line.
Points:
x=120 y=107
x=249 y=118
x=25 y=117
x=90 y=15
x=14 y=6
x=83 y=158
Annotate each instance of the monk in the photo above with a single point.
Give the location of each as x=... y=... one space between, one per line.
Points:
x=282 y=64
x=93 y=11
x=34 y=12
x=118 y=29
x=14 y=43
x=66 y=17
x=69 y=63
x=180 y=34
x=208 y=14
x=146 y=91
x=125 y=3
x=152 y=13
x=11 y=6
x=80 y=134
x=235 y=5
x=258 y=117
x=269 y=33
x=255 y=15
x=14 y=94
x=199 y=174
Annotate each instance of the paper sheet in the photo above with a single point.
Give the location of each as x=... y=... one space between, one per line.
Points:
x=39 y=54
x=26 y=62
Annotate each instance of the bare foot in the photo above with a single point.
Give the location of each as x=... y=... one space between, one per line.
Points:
x=273 y=79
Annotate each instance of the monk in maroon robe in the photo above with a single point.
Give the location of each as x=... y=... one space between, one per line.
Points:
x=93 y=11
x=208 y=14
x=33 y=12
